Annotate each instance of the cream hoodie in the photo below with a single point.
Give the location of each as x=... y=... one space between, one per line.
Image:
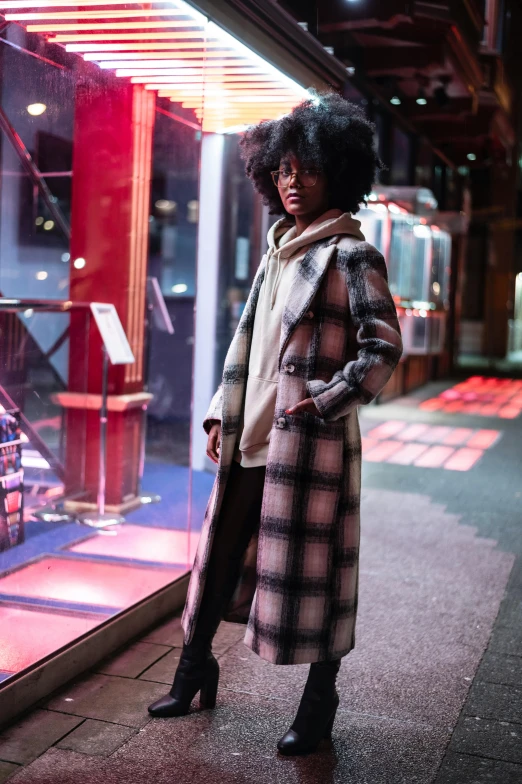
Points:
x=285 y=252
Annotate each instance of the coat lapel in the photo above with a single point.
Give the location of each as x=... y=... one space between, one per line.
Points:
x=308 y=277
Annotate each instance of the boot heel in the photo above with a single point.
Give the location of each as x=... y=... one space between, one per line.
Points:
x=208 y=692
x=329 y=727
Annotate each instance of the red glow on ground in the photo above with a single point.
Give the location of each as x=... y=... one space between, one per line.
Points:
x=382 y=451
x=142 y=543
x=434 y=457
x=492 y=397
x=463 y=459
x=87 y=582
x=427 y=446
x=26 y=636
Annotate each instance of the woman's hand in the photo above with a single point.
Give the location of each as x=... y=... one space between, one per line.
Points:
x=214 y=442
x=307 y=405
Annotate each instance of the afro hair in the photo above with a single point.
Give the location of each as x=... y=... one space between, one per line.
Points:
x=325 y=132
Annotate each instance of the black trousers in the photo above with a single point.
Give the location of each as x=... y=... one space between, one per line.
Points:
x=238 y=520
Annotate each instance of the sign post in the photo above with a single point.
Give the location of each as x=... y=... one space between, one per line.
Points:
x=115 y=350
x=157 y=312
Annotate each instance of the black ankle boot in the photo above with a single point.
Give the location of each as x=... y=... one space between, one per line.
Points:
x=316 y=713
x=197 y=670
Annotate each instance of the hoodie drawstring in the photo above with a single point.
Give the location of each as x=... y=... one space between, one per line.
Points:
x=276 y=282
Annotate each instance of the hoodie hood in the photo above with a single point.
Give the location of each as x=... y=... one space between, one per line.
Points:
x=283 y=242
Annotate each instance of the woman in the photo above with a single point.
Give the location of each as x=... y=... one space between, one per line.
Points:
x=318 y=337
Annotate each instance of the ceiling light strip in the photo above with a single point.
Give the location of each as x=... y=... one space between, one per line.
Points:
x=202 y=55
x=199 y=78
x=19 y=4
x=166 y=35
x=116 y=14
x=56 y=28
x=122 y=64
x=190 y=72
x=138 y=46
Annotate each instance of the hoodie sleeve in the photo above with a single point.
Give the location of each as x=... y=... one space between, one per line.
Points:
x=378 y=335
x=214 y=412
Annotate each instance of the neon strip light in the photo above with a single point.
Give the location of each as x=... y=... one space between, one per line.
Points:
x=148 y=57
x=61 y=4
x=256 y=80
x=222 y=88
x=218 y=33
x=116 y=14
x=151 y=45
x=190 y=71
x=120 y=64
x=51 y=28
x=167 y=35
x=190 y=60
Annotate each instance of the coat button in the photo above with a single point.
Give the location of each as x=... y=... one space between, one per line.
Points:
x=281 y=422
x=310 y=314
x=290 y=368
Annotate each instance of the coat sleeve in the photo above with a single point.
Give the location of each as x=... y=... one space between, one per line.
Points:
x=378 y=335
x=214 y=414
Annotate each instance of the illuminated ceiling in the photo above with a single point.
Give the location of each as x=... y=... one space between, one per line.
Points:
x=170 y=48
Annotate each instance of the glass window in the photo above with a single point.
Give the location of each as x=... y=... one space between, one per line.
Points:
x=121 y=186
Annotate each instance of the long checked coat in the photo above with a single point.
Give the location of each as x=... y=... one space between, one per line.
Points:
x=340 y=342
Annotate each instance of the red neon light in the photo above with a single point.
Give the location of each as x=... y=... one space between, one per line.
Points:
x=51 y=28
x=166 y=35
x=116 y=14
x=152 y=63
x=15 y=4
x=149 y=46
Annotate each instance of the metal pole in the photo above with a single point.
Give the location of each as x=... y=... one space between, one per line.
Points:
x=99 y=519
x=143 y=495
x=103 y=434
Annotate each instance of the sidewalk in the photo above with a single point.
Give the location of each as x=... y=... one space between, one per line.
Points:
x=437 y=553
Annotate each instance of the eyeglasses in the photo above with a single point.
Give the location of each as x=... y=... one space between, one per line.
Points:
x=306 y=177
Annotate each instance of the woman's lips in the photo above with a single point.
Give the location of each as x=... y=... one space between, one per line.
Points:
x=294 y=197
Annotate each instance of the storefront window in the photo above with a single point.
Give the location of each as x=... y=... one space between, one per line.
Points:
x=121 y=185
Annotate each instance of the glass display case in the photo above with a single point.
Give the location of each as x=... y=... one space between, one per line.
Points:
x=418 y=258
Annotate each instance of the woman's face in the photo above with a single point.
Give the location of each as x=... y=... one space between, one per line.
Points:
x=299 y=196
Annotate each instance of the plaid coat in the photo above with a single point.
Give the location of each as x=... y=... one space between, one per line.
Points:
x=340 y=342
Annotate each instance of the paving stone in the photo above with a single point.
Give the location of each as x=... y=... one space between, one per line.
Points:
x=166 y=739
x=495 y=701
x=241 y=735
x=7 y=769
x=32 y=735
x=168 y=633
x=163 y=670
x=510 y=613
x=507 y=639
x=108 y=698
x=96 y=738
x=59 y=766
x=465 y=769
x=131 y=662
x=496 y=668
x=228 y=634
x=498 y=740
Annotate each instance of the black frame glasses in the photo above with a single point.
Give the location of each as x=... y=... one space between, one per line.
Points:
x=307 y=178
